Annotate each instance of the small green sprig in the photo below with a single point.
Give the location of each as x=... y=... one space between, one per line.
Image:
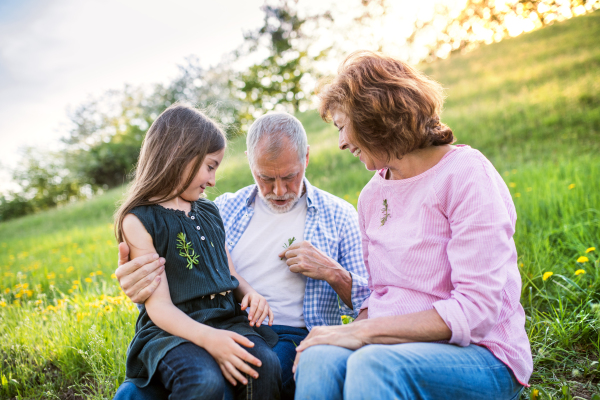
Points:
x=186 y=250
x=384 y=210
x=289 y=243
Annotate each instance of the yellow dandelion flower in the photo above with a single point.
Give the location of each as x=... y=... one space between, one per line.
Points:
x=535 y=393
x=70 y=290
x=25 y=285
x=512 y=185
x=17 y=303
x=99 y=272
x=38 y=302
x=76 y=282
x=113 y=276
x=88 y=279
x=92 y=273
x=571 y=186
x=29 y=293
x=107 y=308
x=18 y=295
x=547 y=275
x=7 y=290
x=109 y=242
x=51 y=276
x=579 y=272
x=520 y=265
x=2 y=304
x=583 y=259
x=75 y=287
x=517 y=194
x=70 y=269
x=590 y=250
x=100 y=313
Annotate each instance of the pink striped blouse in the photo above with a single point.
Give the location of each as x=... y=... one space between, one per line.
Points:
x=448 y=244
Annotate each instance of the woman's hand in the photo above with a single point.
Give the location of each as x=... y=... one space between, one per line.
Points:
x=259 y=308
x=350 y=336
x=226 y=348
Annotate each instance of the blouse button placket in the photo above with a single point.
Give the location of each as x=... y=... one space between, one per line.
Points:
x=198 y=227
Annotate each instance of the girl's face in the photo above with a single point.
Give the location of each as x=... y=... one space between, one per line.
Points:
x=205 y=176
x=342 y=122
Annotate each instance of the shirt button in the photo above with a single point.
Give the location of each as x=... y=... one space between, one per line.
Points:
x=198 y=227
x=192 y=217
x=201 y=237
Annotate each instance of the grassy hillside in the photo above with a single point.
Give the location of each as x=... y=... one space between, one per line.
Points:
x=531 y=104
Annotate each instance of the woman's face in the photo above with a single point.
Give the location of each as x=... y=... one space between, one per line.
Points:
x=342 y=122
x=205 y=176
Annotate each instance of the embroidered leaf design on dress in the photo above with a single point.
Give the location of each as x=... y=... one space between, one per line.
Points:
x=186 y=250
x=289 y=243
x=385 y=213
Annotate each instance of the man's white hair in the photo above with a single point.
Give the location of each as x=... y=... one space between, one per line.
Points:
x=275 y=127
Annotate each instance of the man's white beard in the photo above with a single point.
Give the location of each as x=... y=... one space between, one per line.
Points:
x=281 y=209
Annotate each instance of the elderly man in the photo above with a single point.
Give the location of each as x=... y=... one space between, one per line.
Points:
x=297 y=245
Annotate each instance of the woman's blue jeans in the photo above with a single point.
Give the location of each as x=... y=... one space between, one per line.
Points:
x=404 y=371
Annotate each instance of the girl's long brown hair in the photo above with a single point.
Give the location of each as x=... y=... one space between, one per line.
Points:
x=179 y=136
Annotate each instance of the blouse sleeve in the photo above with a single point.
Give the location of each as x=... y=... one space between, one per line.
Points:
x=365 y=249
x=480 y=251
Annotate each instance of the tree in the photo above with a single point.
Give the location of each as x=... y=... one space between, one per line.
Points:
x=281 y=80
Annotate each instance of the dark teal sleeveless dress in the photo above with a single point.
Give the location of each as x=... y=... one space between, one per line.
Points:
x=195 y=291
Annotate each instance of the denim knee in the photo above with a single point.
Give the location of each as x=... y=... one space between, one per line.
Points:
x=196 y=383
x=366 y=362
x=270 y=365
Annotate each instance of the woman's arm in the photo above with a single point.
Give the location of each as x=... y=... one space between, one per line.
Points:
x=224 y=346
x=424 y=326
x=248 y=297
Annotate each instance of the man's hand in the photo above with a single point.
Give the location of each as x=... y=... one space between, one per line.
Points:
x=306 y=259
x=139 y=277
x=259 y=308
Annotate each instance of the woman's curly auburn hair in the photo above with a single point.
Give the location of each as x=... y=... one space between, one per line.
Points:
x=393 y=108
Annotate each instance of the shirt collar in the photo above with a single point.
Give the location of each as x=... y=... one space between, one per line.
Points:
x=310 y=194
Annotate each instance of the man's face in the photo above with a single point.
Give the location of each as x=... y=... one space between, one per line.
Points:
x=279 y=179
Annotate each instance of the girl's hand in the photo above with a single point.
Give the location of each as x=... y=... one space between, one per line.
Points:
x=226 y=348
x=259 y=308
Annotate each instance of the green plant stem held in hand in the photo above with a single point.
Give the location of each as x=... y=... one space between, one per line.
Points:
x=289 y=243
x=186 y=251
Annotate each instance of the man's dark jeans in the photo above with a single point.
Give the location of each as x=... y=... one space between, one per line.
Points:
x=190 y=372
x=289 y=338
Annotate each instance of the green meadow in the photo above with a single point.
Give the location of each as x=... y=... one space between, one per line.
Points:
x=531 y=104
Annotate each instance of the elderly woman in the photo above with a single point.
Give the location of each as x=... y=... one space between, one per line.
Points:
x=443 y=320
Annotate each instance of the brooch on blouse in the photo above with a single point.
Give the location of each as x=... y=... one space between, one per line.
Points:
x=186 y=250
x=385 y=212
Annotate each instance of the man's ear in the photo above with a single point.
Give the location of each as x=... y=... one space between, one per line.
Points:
x=307 y=151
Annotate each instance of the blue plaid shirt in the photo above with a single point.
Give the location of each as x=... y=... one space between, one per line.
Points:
x=332 y=227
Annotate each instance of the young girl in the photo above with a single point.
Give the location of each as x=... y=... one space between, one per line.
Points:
x=189 y=334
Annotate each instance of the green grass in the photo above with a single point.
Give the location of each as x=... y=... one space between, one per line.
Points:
x=530 y=104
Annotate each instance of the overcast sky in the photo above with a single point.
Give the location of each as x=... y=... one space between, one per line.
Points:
x=55 y=54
